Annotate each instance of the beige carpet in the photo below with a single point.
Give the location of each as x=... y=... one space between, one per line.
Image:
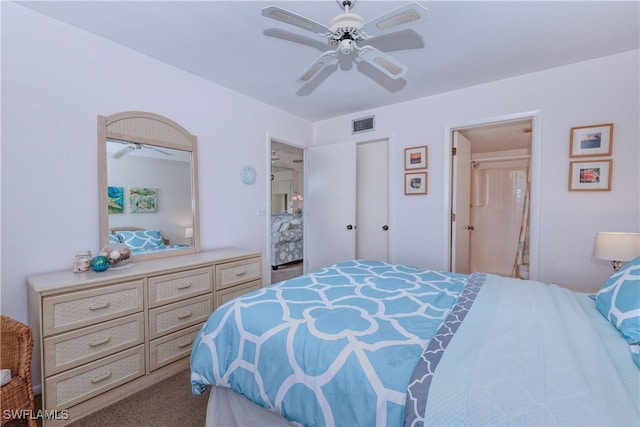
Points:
x=286 y=271
x=167 y=403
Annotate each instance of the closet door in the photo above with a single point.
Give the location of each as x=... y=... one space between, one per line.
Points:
x=330 y=205
x=461 y=208
x=372 y=187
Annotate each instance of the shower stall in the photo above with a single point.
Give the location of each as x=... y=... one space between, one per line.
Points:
x=500 y=215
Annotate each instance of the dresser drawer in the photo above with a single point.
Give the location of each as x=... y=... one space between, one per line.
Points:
x=233 y=273
x=62 y=313
x=172 y=347
x=179 y=315
x=175 y=287
x=71 y=349
x=231 y=293
x=77 y=385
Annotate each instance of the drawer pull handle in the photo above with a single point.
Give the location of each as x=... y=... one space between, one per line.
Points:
x=187 y=286
x=241 y=273
x=99 y=306
x=99 y=342
x=186 y=344
x=103 y=377
x=184 y=316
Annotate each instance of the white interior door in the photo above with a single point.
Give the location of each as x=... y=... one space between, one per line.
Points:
x=460 y=227
x=372 y=208
x=330 y=205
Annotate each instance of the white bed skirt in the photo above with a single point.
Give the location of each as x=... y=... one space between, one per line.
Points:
x=230 y=409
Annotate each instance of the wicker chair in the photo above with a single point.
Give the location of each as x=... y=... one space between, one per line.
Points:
x=16 y=347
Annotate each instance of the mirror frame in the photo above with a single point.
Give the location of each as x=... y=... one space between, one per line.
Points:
x=150 y=129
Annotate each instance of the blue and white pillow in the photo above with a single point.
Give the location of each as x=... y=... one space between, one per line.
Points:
x=114 y=239
x=145 y=239
x=619 y=301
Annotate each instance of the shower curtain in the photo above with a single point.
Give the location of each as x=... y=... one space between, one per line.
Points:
x=498 y=198
x=522 y=255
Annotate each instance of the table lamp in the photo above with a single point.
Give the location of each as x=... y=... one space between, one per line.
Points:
x=617 y=247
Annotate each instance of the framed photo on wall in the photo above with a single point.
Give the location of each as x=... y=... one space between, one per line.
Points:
x=588 y=141
x=590 y=176
x=415 y=183
x=415 y=157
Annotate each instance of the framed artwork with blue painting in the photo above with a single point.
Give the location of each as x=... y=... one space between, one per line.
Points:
x=115 y=200
x=143 y=200
x=589 y=141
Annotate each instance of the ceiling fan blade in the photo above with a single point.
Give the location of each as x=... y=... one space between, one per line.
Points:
x=158 y=150
x=283 y=15
x=311 y=71
x=394 y=20
x=123 y=152
x=383 y=62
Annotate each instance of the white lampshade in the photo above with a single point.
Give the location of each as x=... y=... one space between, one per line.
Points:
x=617 y=246
x=188 y=233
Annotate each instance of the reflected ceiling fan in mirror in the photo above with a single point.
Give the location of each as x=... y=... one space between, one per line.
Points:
x=130 y=147
x=347 y=31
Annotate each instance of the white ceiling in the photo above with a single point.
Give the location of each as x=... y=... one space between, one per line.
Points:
x=462 y=43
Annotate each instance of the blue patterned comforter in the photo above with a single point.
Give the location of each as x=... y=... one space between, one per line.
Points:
x=352 y=332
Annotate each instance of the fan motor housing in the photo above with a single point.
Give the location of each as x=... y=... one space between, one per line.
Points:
x=346 y=26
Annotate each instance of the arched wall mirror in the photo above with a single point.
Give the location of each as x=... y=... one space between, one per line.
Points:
x=148 y=185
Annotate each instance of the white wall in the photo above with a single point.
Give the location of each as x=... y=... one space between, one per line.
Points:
x=172 y=181
x=598 y=91
x=56 y=80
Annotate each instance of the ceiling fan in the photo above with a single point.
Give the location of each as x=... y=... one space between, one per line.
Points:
x=348 y=30
x=130 y=147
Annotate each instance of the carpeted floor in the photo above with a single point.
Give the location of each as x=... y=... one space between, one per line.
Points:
x=286 y=271
x=167 y=403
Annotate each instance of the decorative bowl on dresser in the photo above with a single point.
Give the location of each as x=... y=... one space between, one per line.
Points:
x=104 y=336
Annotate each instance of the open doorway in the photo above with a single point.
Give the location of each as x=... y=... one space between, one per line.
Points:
x=491 y=197
x=287 y=204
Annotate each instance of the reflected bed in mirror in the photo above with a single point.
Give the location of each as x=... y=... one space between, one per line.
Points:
x=143 y=241
x=148 y=185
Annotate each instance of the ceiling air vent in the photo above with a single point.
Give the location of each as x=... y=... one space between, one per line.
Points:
x=364 y=124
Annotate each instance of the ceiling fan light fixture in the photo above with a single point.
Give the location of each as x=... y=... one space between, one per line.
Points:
x=347 y=30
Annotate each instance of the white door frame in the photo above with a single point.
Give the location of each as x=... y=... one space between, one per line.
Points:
x=536 y=157
x=267 y=207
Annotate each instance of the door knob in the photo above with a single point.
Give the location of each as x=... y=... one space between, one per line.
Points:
x=470 y=227
x=385 y=227
x=349 y=227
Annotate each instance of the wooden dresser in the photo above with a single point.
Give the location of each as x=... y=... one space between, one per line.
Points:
x=104 y=336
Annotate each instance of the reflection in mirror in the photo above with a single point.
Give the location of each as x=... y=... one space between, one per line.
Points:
x=148 y=185
x=287 y=225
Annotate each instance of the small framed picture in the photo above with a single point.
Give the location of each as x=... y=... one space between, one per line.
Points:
x=588 y=141
x=415 y=183
x=590 y=176
x=415 y=157
x=143 y=200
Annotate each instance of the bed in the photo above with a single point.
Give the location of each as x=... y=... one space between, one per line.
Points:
x=142 y=241
x=366 y=343
x=286 y=239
